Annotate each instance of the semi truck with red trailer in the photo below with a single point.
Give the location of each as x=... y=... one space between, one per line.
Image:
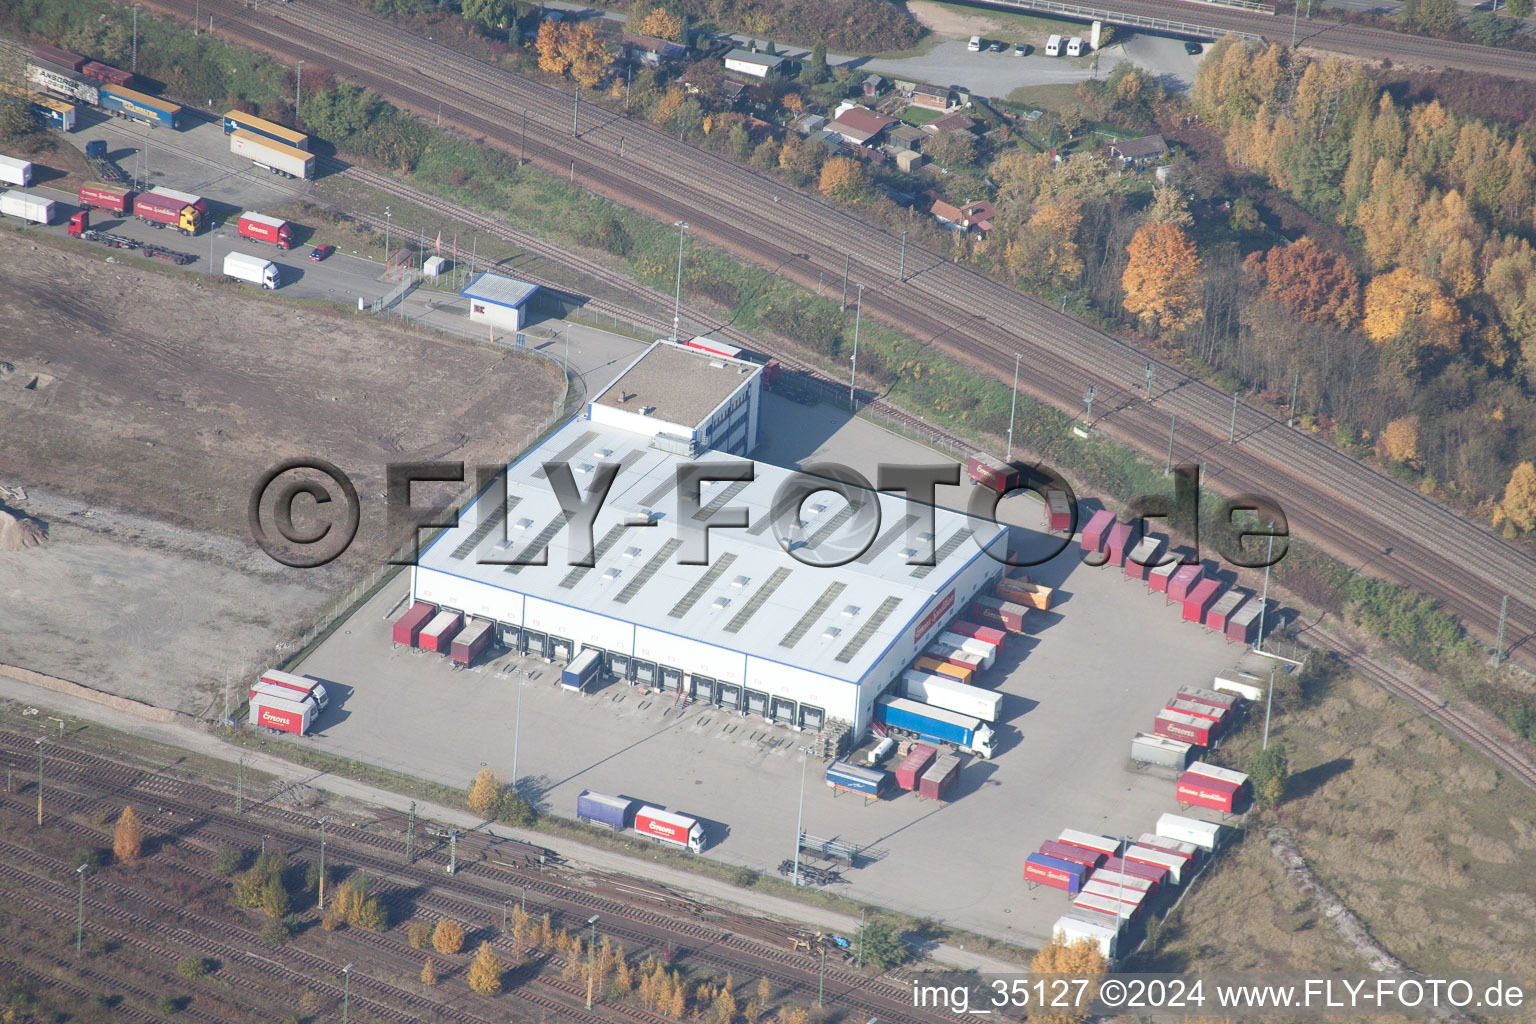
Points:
x=98 y=195
x=271 y=708
x=272 y=230
x=164 y=207
x=677 y=830
x=992 y=473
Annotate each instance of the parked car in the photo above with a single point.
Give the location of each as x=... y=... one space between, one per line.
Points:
x=320 y=252
x=974 y=45
x=1193 y=49
x=1020 y=49
x=997 y=46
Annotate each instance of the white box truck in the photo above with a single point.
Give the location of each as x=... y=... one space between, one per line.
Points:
x=28 y=207
x=1053 y=46
x=1075 y=46
x=15 y=172
x=252 y=270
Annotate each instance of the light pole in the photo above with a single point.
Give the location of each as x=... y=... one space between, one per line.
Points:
x=80 y=908
x=1088 y=416
x=1264 y=597
x=677 y=299
x=805 y=757
x=39 y=743
x=346 y=990
x=591 y=959
x=386 y=238
x=135 y=65
x=1013 y=407
x=857 y=313
x=1149 y=382
x=322 y=860
x=517 y=728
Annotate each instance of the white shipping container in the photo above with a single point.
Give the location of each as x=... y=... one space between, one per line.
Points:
x=950 y=693
x=15 y=172
x=1212 y=771
x=1158 y=842
x=285 y=159
x=1204 y=834
x=1127 y=894
x=1161 y=858
x=1147 y=748
x=1103 y=933
x=987 y=652
x=28 y=207
x=1089 y=841
x=1243 y=684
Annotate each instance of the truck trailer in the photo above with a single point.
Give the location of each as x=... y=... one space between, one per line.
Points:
x=298 y=684
x=471 y=642
x=61 y=83
x=673 y=829
x=913 y=765
x=1103 y=931
x=615 y=812
x=854 y=779
x=275 y=156
x=15 y=172
x=137 y=106
x=987 y=652
x=407 y=628
x=1204 y=834
x=98 y=195
x=941 y=691
x=166 y=207
x=930 y=723
x=583 y=669
x=255 y=270
x=992 y=473
x=273 y=710
x=273 y=230
x=995 y=611
x=30 y=208
x=1058 y=874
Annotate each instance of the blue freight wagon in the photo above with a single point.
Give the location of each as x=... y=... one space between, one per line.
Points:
x=615 y=812
x=868 y=781
x=930 y=723
x=130 y=103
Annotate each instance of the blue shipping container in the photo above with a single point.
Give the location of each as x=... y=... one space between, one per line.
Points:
x=582 y=670
x=868 y=781
x=1075 y=872
x=617 y=812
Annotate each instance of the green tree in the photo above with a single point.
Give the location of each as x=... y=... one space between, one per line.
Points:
x=489 y=13
x=192 y=967
x=274 y=898
x=1518 y=8
x=1268 y=770
x=1437 y=17
x=878 y=944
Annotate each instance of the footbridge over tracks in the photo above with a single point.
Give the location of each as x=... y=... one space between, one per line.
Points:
x=1184 y=25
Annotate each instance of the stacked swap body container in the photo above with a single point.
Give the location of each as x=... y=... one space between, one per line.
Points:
x=1199 y=601
x=1090 y=841
x=999 y=612
x=1065 y=875
x=1022 y=589
x=1076 y=854
x=1157 y=578
x=1175 y=865
x=1139 y=562
x=976 y=631
x=869 y=782
x=935 y=782
x=1183 y=581
x=1096 y=530
x=1216 y=716
x=1243 y=626
x=614 y=812
x=939 y=666
x=1149 y=748
x=914 y=765
x=437 y=635
x=407 y=628
x=1058 y=511
x=1196 y=831
x=1104 y=905
x=1154 y=873
x=1221 y=612
x=1116 y=543
x=1179 y=726
x=1195 y=790
x=471 y=641
x=1240 y=684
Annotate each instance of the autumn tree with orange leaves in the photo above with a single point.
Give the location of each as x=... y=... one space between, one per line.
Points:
x=661 y=23
x=1316 y=286
x=842 y=178
x=1162 y=277
x=574 y=50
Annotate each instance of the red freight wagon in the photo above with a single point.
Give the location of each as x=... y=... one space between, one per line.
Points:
x=1183 y=581
x=439 y=633
x=1216 y=716
x=1157 y=579
x=1179 y=726
x=1172 y=862
x=96 y=195
x=914 y=765
x=1058 y=511
x=107 y=73
x=471 y=642
x=989 y=472
x=1243 y=626
x=935 y=782
x=1222 y=610
x=1200 y=600
x=975 y=631
x=1088 y=841
x=1139 y=561
x=995 y=611
x=1153 y=872
x=1210 y=698
x=1117 y=542
x=1098 y=526
x=54 y=55
x=1203 y=791
x=1075 y=854
x=408 y=626
x=1058 y=874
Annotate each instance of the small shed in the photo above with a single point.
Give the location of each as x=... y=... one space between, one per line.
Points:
x=758 y=65
x=875 y=85
x=1139 y=152
x=931 y=97
x=499 y=301
x=435 y=266
x=908 y=160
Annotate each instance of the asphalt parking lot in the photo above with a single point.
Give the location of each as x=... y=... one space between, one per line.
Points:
x=1093 y=672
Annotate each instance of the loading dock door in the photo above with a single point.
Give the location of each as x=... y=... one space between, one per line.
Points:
x=784 y=710
x=812 y=717
x=730 y=696
x=757 y=702
x=560 y=648
x=671 y=678
x=512 y=639
x=537 y=643
x=704 y=689
x=618 y=665
x=645 y=672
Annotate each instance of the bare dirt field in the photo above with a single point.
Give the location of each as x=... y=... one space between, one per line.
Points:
x=139 y=408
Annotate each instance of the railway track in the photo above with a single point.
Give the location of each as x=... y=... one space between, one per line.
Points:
x=470 y=896
x=1344 y=506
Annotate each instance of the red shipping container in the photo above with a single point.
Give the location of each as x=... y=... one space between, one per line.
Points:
x=1243 y=626
x=408 y=626
x=1088 y=841
x=1157 y=579
x=1117 y=543
x=1076 y=854
x=471 y=642
x=996 y=611
x=96 y=195
x=989 y=472
x=935 y=782
x=914 y=765
x=1154 y=873
x=1203 y=791
x=1096 y=530
x=1058 y=511
x=107 y=73
x=975 y=631
x=1058 y=874
x=1183 y=581
x=1139 y=560
x=1199 y=600
x=1178 y=726
x=1216 y=716
x=1222 y=610
x=438 y=634
x=1209 y=698
x=63 y=58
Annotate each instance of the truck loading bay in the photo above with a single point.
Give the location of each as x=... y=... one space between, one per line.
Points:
x=1090 y=674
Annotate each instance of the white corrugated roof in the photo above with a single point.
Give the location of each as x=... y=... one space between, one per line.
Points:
x=786 y=611
x=498 y=290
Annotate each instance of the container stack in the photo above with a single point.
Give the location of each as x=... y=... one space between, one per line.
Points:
x=935 y=782
x=912 y=767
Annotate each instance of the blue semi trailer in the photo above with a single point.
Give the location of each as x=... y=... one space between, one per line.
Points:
x=616 y=812
x=926 y=722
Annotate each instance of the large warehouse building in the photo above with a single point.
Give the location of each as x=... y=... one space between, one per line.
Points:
x=756 y=629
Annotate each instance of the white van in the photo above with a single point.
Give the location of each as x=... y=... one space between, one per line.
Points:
x=974 y=45
x=1053 y=46
x=1075 y=46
